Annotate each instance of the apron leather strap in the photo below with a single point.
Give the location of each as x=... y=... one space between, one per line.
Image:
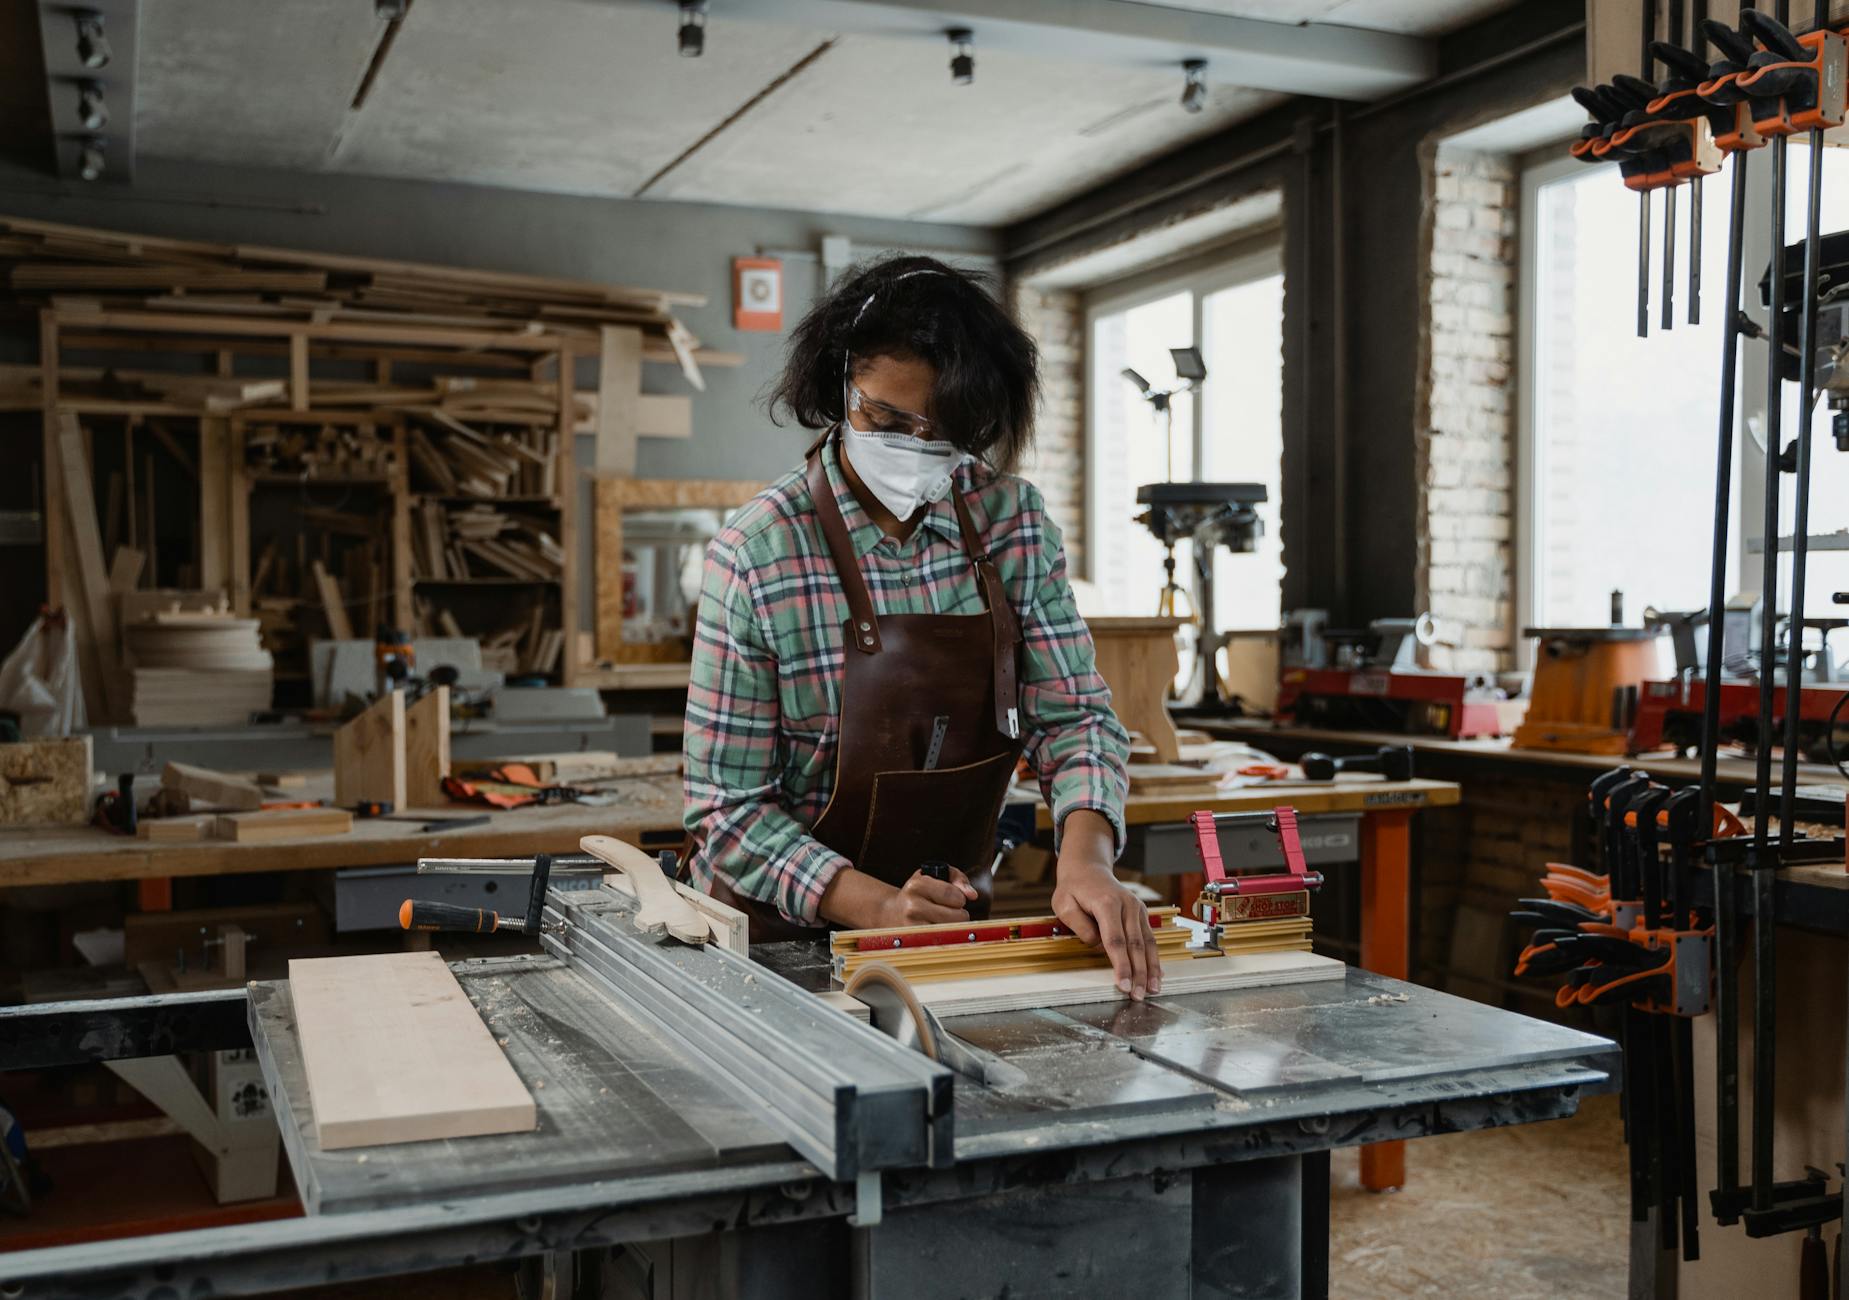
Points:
x=1007 y=629
x=865 y=633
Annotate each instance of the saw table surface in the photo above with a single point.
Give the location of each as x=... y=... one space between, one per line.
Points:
x=1350 y=792
x=619 y=1099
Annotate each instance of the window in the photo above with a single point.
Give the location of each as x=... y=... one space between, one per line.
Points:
x=1618 y=431
x=1231 y=428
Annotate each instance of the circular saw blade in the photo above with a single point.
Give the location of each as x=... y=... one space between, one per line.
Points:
x=893 y=1008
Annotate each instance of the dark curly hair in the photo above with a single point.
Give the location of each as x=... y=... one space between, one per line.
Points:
x=988 y=379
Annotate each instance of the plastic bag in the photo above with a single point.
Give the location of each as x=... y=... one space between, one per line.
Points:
x=39 y=681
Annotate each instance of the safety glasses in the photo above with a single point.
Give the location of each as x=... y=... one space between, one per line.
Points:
x=877 y=417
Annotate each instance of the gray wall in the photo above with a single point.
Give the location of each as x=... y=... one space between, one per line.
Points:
x=681 y=246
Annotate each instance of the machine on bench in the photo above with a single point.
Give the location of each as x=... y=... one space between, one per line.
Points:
x=1370 y=680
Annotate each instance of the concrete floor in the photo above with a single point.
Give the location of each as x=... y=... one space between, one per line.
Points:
x=1534 y=1212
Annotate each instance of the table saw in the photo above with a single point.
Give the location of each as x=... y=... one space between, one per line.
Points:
x=708 y=1125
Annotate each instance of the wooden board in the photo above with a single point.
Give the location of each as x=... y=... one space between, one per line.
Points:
x=619 y=386
x=395 y=1052
x=173 y=830
x=1152 y=777
x=1137 y=659
x=730 y=927
x=554 y=769
x=45 y=782
x=426 y=750
x=339 y=626
x=1075 y=988
x=369 y=755
x=216 y=789
x=283 y=824
x=90 y=599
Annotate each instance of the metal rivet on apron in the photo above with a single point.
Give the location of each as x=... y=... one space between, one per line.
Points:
x=866 y=640
x=865 y=626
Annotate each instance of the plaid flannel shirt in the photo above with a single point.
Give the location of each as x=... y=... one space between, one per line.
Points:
x=763 y=705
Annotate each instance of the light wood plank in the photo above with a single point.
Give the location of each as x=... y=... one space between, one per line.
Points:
x=395 y=1052
x=1137 y=659
x=619 y=389
x=426 y=750
x=369 y=755
x=339 y=626
x=98 y=622
x=298 y=372
x=215 y=789
x=282 y=824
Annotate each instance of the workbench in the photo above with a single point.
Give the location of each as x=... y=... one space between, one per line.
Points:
x=1169 y=1148
x=647 y=813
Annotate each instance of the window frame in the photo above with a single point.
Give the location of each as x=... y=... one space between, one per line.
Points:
x=1537 y=170
x=1250 y=260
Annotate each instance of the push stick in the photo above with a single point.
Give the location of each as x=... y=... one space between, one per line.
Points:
x=659 y=908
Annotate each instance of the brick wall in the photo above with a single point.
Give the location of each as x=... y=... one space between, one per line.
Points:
x=1466 y=434
x=1056 y=320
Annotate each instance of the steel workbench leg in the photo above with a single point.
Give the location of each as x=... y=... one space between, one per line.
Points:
x=1386 y=941
x=1315 y=1214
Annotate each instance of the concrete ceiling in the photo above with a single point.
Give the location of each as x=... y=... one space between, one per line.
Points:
x=827 y=105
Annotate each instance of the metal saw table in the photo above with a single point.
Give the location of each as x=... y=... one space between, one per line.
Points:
x=708 y=1127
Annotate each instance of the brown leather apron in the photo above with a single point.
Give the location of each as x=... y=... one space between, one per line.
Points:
x=929 y=734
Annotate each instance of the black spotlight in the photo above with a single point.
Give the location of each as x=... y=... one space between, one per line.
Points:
x=962 y=61
x=693 y=28
x=1194 y=93
x=92 y=111
x=92 y=45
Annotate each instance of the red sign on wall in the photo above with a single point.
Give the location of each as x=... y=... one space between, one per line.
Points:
x=757 y=293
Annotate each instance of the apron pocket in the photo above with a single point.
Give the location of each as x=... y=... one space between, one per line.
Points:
x=944 y=814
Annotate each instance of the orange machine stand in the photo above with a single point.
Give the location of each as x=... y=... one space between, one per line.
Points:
x=1386 y=943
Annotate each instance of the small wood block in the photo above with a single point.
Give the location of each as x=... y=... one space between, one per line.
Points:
x=217 y=789
x=426 y=750
x=45 y=782
x=172 y=830
x=369 y=755
x=283 y=824
x=395 y=1052
x=281 y=780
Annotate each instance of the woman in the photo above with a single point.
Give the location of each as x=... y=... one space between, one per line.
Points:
x=883 y=632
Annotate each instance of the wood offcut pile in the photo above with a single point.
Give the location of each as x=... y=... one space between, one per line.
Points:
x=454 y=458
x=82 y=270
x=482 y=542
x=195 y=669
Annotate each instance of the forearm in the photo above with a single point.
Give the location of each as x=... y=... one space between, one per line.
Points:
x=856 y=901
x=1088 y=842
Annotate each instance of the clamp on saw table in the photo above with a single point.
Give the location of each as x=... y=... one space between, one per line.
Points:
x=1229 y=899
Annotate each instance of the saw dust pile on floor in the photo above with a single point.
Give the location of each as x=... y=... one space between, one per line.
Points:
x=1483 y=1213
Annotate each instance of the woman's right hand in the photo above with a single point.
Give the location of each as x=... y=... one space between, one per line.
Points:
x=924 y=901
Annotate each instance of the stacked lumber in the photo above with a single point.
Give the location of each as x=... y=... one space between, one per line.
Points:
x=326 y=451
x=194 y=668
x=450 y=457
x=1040 y=945
x=89 y=271
x=479 y=541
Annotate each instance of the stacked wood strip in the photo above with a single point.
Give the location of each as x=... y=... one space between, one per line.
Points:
x=452 y=458
x=83 y=270
x=196 y=669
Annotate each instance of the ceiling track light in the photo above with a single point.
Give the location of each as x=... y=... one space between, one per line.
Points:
x=90 y=158
x=92 y=111
x=962 y=60
x=92 y=45
x=693 y=29
x=1194 y=93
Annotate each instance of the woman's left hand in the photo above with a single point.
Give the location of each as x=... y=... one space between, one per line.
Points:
x=1091 y=902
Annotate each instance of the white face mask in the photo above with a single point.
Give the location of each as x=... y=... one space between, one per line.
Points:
x=902 y=471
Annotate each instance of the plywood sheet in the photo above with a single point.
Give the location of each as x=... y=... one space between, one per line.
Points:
x=1075 y=988
x=45 y=782
x=395 y=1052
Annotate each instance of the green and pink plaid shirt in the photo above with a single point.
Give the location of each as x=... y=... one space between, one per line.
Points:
x=763 y=706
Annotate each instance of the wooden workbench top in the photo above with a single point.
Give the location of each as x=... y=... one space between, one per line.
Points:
x=1359 y=792
x=648 y=812
x=1734 y=771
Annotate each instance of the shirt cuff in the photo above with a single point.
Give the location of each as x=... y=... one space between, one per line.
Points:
x=804 y=877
